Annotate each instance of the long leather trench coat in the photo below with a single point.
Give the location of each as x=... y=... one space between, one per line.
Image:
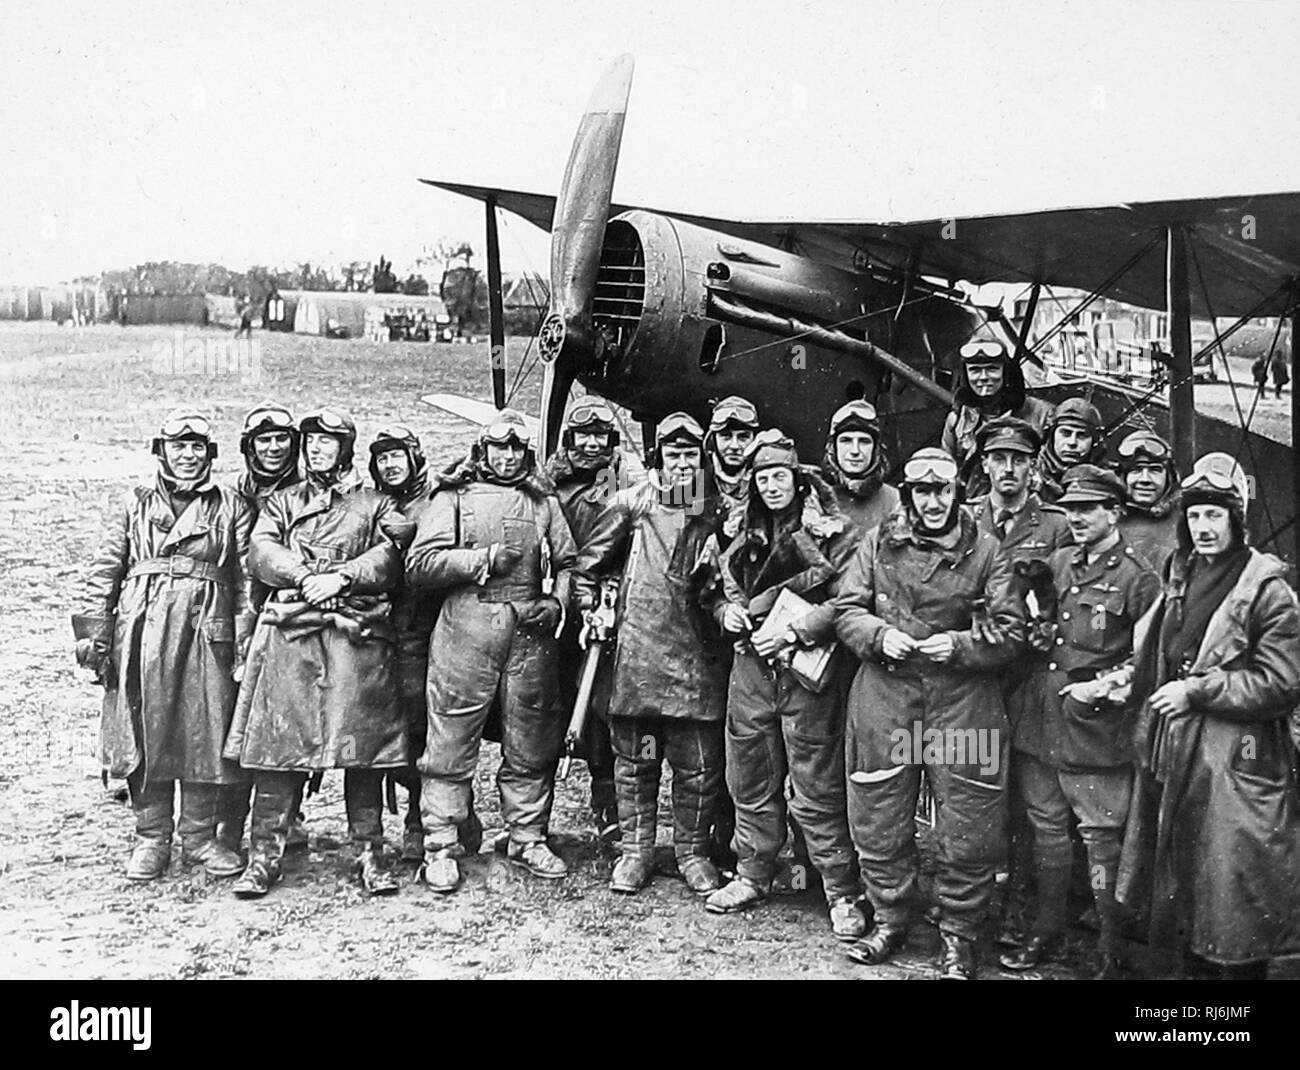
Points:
x=171 y=594
x=319 y=691
x=1214 y=823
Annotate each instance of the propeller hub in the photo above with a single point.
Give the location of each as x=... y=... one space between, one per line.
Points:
x=550 y=338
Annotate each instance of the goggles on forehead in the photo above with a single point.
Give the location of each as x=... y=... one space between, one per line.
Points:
x=1216 y=480
x=503 y=431
x=189 y=425
x=674 y=429
x=1152 y=445
x=271 y=419
x=586 y=413
x=773 y=436
x=398 y=432
x=929 y=470
x=734 y=412
x=983 y=351
x=329 y=420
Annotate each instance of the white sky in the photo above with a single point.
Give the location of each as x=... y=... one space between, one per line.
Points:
x=238 y=134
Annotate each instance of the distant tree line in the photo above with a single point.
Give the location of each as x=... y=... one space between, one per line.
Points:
x=461 y=286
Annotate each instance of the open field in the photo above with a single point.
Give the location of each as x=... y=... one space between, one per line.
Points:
x=79 y=407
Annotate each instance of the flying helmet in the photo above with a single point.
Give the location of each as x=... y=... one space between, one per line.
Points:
x=336 y=422
x=184 y=423
x=269 y=416
x=590 y=414
x=397 y=437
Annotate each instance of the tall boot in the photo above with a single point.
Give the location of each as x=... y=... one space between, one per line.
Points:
x=696 y=822
x=363 y=797
x=232 y=816
x=274 y=799
x=200 y=810
x=1110 y=915
x=1053 y=888
x=154 y=825
x=638 y=798
x=413 y=830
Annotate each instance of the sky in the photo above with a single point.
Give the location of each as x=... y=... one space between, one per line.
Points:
x=233 y=133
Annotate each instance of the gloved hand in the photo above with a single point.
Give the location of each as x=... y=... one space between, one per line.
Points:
x=504 y=558
x=323 y=588
x=91 y=654
x=1042 y=636
x=539 y=615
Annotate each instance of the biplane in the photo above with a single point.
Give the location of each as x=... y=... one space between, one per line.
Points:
x=659 y=310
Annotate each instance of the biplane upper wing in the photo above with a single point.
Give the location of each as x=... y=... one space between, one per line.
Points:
x=1243 y=247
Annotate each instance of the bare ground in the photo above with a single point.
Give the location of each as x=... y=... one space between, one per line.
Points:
x=79 y=407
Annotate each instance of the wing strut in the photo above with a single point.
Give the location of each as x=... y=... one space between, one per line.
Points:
x=496 y=311
x=1182 y=390
x=1295 y=404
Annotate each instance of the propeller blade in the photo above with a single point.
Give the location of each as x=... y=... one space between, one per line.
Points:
x=581 y=212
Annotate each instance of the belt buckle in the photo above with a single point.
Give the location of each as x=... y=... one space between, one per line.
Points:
x=179 y=565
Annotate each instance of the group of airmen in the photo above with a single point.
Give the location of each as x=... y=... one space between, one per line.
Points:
x=1040 y=640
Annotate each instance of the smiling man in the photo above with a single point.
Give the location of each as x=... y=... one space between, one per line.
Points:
x=319 y=691
x=163 y=623
x=588 y=469
x=907 y=608
x=778 y=723
x=1152 y=497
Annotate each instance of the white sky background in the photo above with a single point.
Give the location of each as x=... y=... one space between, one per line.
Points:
x=234 y=133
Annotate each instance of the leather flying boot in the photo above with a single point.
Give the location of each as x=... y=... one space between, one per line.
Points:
x=632 y=872
x=232 y=815
x=538 y=859
x=372 y=869
x=880 y=945
x=1110 y=916
x=413 y=832
x=440 y=870
x=847 y=921
x=1044 y=938
x=200 y=810
x=152 y=852
x=736 y=895
x=258 y=877
x=700 y=874
x=958 y=960
x=273 y=803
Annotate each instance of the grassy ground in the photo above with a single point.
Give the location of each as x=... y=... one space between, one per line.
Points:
x=79 y=407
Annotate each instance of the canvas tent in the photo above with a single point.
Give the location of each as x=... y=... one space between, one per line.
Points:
x=323 y=312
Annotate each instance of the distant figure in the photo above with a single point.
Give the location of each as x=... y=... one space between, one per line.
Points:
x=244 y=309
x=1280 y=374
x=1259 y=372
